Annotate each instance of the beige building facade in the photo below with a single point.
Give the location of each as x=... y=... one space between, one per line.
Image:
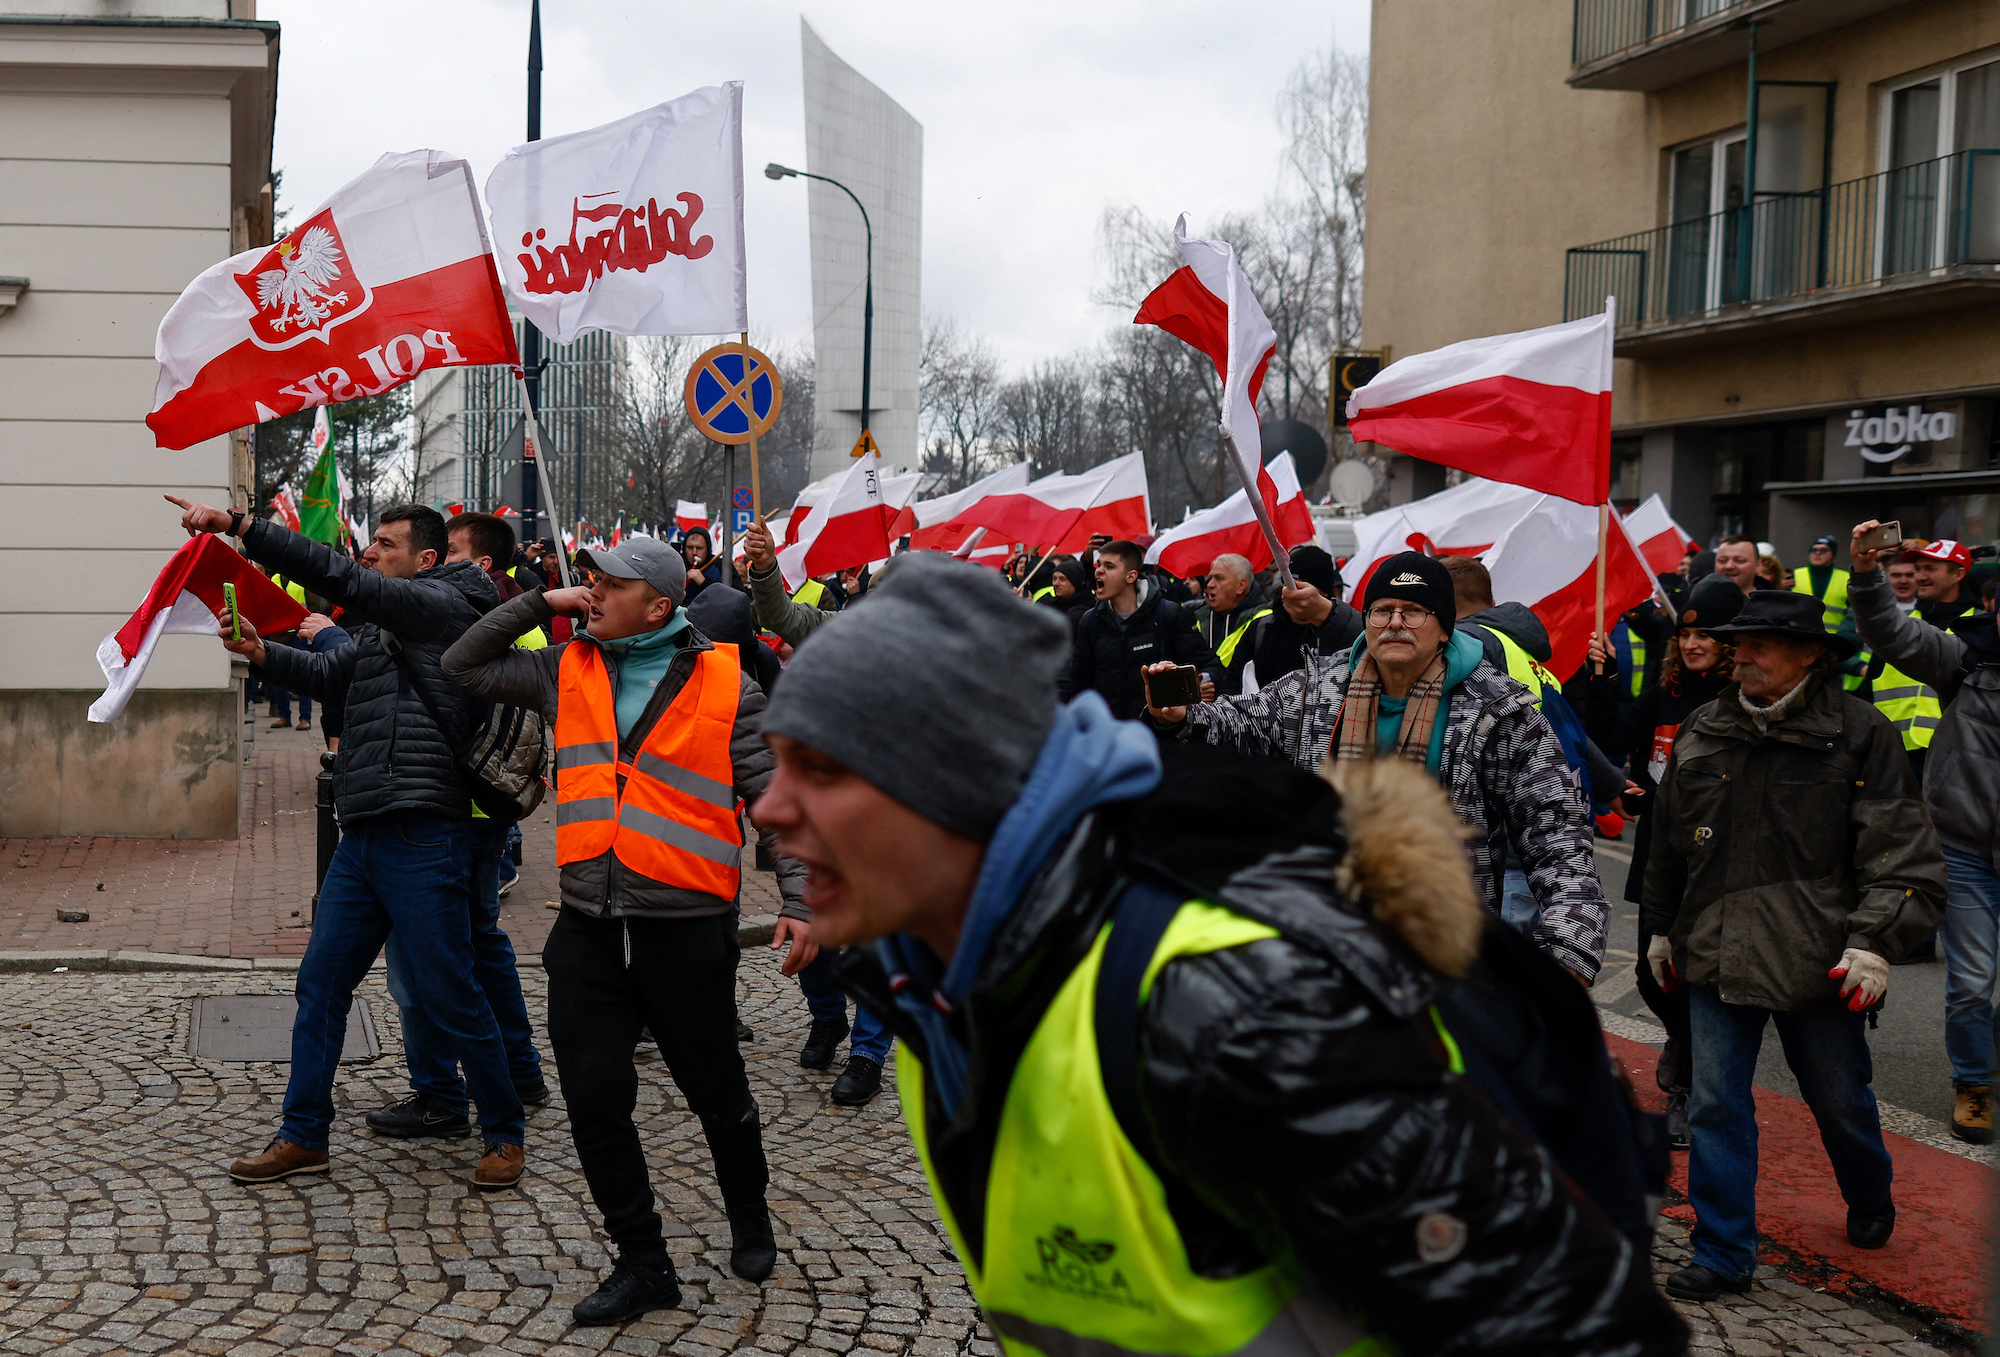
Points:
x=1796 y=204
x=136 y=152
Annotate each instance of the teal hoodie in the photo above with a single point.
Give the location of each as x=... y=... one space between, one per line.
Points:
x=1462 y=655
x=642 y=662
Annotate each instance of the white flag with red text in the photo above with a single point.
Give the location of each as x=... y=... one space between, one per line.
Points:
x=389 y=277
x=635 y=227
x=187 y=597
x=1188 y=549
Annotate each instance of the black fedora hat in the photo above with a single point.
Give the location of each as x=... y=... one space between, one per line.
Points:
x=1780 y=612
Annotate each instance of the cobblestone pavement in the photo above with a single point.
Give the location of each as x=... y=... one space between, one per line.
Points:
x=121 y=1233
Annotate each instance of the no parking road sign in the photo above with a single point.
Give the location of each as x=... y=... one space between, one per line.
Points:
x=734 y=393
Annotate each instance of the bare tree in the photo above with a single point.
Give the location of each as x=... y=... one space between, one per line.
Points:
x=1046 y=417
x=959 y=406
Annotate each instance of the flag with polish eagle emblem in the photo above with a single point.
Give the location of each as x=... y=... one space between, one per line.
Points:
x=390 y=276
x=187 y=597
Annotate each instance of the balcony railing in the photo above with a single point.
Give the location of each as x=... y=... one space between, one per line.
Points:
x=1891 y=225
x=1604 y=28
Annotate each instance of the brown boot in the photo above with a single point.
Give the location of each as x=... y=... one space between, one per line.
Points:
x=1972 y=1117
x=502 y=1165
x=279 y=1159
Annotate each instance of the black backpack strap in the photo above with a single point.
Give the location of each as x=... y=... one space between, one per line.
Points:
x=1138 y=921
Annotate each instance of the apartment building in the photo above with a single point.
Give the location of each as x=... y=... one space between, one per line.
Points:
x=1796 y=204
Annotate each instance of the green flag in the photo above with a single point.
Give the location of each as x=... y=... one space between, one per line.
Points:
x=319 y=507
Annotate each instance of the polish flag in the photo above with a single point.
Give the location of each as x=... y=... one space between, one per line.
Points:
x=937 y=525
x=1042 y=511
x=1540 y=549
x=802 y=506
x=1532 y=408
x=288 y=512
x=896 y=494
x=187 y=597
x=1231 y=526
x=848 y=527
x=389 y=277
x=1124 y=508
x=690 y=514
x=1659 y=539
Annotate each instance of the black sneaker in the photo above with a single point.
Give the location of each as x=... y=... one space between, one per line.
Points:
x=753 y=1252
x=1700 y=1283
x=1677 y=1119
x=628 y=1293
x=533 y=1095
x=1871 y=1229
x=821 y=1042
x=418 y=1115
x=861 y=1081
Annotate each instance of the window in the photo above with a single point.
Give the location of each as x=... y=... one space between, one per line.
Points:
x=1706 y=189
x=1627 y=456
x=1941 y=180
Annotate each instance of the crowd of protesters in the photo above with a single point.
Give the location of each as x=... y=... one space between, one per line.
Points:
x=1360 y=843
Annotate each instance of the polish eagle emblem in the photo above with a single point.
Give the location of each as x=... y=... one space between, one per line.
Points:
x=304 y=285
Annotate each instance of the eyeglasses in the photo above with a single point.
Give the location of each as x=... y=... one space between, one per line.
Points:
x=1410 y=617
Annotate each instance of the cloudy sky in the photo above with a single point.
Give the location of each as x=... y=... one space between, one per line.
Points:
x=1036 y=115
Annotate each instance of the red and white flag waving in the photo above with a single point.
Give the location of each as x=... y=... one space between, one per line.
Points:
x=1209 y=304
x=1124 y=508
x=848 y=527
x=1532 y=408
x=1540 y=549
x=1042 y=512
x=187 y=597
x=937 y=524
x=635 y=227
x=388 y=277
x=287 y=510
x=1231 y=526
x=689 y=515
x=1659 y=539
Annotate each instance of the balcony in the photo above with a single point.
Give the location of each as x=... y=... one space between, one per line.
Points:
x=1650 y=44
x=1923 y=238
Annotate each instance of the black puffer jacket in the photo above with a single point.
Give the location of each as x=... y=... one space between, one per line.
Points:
x=392 y=755
x=1108 y=651
x=1297 y=1084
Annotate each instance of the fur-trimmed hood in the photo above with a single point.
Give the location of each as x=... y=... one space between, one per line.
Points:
x=1406 y=861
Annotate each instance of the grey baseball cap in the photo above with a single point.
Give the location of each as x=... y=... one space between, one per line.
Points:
x=641 y=558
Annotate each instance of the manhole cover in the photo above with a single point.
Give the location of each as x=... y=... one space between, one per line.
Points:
x=259 y=1027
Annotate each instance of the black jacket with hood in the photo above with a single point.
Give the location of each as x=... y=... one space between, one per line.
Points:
x=393 y=754
x=1109 y=650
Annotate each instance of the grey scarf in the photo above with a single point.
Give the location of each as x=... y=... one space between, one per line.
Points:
x=1765 y=717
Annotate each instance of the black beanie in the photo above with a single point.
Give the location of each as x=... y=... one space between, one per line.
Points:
x=1315 y=567
x=1416 y=578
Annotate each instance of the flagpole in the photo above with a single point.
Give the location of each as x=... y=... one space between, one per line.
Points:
x=756 y=485
x=1604 y=509
x=1279 y=559
x=531 y=442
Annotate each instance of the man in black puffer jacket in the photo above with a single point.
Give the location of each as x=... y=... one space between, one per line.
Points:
x=405 y=855
x=1229 y=1121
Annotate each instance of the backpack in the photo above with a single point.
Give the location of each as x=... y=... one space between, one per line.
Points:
x=503 y=764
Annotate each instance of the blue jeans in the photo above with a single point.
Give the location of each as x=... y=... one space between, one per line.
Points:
x=410 y=872
x=1828 y=1052
x=426 y=1048
x=1517 y=900
x=826 y=1003
x=1971 y=940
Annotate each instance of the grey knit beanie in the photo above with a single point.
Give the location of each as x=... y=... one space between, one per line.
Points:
x=939 y=689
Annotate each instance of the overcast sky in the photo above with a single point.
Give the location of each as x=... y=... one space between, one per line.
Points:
x=1036 y=115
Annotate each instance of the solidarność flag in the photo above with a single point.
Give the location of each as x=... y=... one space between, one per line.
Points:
x=388 y=277
x=187 y=597
x=635 y=227
x=1532 y=408
x=1189 y=549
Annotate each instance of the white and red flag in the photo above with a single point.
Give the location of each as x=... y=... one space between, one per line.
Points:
x=1540 y=549
x=690 y=514
x=288 y=511
x=1041 y=512
x=1188 y=549
x=390 y=276
x=1124 y=508
x=635 y=227
x=848 y=527
x=187 y=597
x=1532 y=408
x=936 y=525
x=1660 y=540
x=895 y=491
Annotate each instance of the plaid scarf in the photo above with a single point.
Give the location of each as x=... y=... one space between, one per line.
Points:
x=1354 y=728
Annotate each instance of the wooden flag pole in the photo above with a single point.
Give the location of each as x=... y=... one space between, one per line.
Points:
x=1603 y=543
x=756 y=485
x=531 y=442
x=1279 y=558
x=1022 y=587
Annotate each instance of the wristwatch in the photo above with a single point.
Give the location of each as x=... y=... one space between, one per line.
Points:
x=235 y=522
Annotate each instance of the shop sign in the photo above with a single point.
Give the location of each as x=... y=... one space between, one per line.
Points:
x=1893 y=433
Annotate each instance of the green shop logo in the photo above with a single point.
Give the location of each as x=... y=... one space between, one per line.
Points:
x=1079 y=1267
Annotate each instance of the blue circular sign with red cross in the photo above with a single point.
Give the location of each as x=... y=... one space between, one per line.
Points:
x=740 y=497
x=734 y=393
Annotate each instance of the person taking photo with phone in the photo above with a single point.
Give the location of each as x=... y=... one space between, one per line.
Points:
x=1131 y=627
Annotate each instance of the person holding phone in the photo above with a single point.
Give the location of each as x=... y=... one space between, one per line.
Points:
x=1131 y=627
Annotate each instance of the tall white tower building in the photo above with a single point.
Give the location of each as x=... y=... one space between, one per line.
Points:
x=860 y=136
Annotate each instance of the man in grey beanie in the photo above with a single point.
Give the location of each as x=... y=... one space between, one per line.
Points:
x=1284 y=1066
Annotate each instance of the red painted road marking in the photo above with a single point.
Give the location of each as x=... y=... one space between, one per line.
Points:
x=1942 y=1250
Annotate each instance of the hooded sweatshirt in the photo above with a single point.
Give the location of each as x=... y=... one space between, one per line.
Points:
x=641 y=663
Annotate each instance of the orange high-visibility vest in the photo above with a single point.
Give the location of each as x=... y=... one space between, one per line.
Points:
x=674 y=820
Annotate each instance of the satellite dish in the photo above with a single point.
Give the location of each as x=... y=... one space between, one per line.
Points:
x=1352 y=483
x=1308 y=449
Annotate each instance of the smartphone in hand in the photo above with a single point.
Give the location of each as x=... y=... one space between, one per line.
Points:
x=1882 y=536
x=235 y=618
x=1176 y=687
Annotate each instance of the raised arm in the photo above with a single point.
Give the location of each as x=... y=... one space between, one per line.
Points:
x=485 y=663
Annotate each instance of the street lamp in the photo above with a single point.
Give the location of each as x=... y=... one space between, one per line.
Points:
x=777 y=171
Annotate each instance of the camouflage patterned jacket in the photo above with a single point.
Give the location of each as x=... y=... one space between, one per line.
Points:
x=1503 y=770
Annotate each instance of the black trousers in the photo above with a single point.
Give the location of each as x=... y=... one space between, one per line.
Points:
x=680 y=982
